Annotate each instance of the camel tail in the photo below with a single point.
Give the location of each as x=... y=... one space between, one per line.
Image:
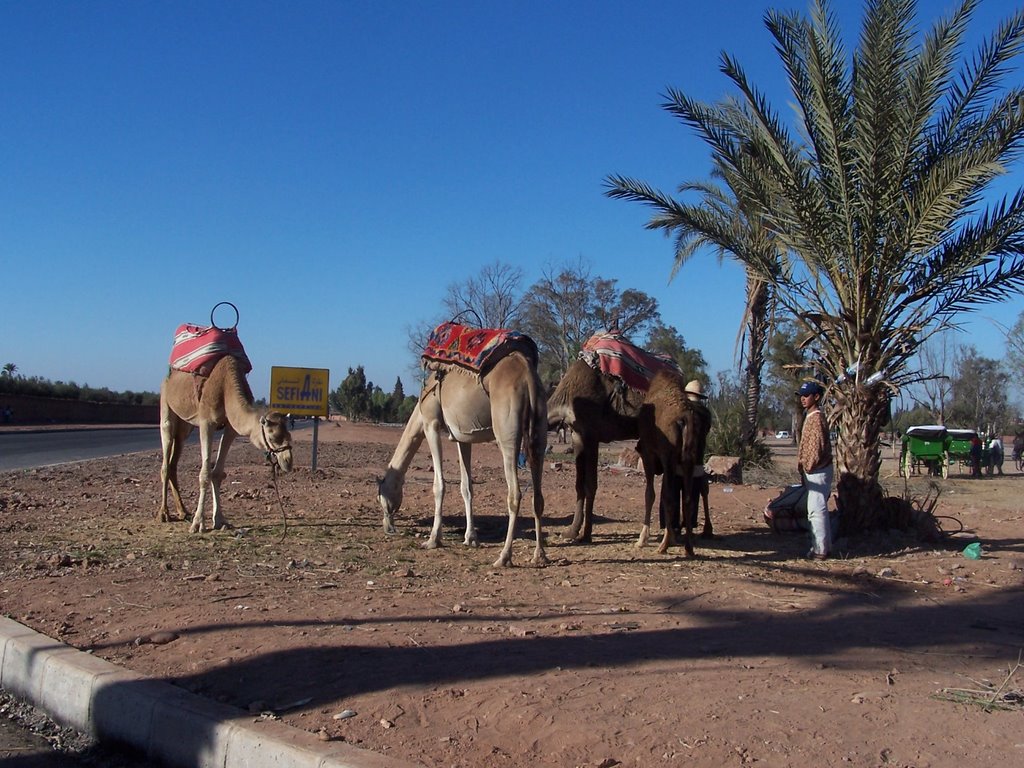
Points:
x=535 y=430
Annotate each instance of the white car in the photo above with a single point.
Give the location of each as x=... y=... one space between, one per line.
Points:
x=782 y=435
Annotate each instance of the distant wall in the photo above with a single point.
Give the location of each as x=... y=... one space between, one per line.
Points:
x=52 y=410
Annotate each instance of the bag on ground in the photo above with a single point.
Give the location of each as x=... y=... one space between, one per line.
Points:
x=788 y=511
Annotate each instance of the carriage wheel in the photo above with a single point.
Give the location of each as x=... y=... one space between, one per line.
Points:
x=945 y=464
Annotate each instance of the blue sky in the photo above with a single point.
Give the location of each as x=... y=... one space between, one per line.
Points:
x=331 y=167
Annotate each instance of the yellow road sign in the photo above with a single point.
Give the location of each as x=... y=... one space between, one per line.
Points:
x=299 y=391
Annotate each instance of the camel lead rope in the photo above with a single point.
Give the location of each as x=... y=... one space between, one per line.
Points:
x=280 y=504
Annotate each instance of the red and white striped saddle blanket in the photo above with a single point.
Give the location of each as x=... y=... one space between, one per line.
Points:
x=197 y=348
x=610 y=353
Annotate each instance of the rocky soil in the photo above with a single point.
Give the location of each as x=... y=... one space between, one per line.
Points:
x=898 y=653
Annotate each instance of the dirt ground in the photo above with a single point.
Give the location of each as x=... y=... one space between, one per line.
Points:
x=609 y=656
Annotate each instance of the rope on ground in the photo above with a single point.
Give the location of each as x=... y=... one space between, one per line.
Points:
x=280 y=503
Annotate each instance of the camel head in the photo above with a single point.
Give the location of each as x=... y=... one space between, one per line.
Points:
x=389 y=494
x=275 y=439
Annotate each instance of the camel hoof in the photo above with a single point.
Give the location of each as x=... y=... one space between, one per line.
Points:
x=540 y=560
x=196 y=528
x=503 y=561
x=431 y=544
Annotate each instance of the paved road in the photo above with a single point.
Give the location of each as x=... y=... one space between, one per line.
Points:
x=26 y=449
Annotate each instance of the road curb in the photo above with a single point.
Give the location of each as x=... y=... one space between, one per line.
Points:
x=166 y=723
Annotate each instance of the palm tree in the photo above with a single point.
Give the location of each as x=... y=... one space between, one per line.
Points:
x=718 y=221
x=9 y=369
x=881 y=199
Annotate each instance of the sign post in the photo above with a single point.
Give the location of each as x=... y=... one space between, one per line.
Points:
x=301 y=392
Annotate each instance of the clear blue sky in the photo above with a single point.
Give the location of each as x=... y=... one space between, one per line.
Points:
x=331 y=167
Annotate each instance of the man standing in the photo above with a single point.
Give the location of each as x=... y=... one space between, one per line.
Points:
x=698 y=400
x=814 y=463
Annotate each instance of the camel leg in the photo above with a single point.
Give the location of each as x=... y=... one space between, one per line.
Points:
x=509 y=453
x=586 y=490
x=536 y=473
x=687 y=493
x=466 y=486
x=669 y=492
x=709 y=531
x=645 y=531
x=181 y=433
x=167 y=450
x=205 y=449
x=218 y=474
x=173 y=433
x=434 y=443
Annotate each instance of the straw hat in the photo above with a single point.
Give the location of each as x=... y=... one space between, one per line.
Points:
x=695 y=390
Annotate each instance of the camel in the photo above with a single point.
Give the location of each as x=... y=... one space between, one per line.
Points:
x=598 y=408
x=673 y=434
x=504 y=405
x=223 y=401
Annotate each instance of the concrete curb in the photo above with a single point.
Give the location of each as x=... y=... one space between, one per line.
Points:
x=166 y=723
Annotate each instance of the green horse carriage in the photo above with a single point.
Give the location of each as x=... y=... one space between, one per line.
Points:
x=924 y=448
x=934 y=447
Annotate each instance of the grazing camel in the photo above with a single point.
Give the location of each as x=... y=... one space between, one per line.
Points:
x=504 y=405
x=223 y=401
x=673 y=434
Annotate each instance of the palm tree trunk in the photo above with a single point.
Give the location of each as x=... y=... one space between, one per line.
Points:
x=859 y=460
x=757 y=340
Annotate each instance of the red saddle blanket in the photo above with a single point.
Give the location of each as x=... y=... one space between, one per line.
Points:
x=197 y=348
x=475 y=349
x=610 y=353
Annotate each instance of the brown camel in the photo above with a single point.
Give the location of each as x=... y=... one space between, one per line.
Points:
x=599 y=408
x=223 y=401
x=673 y=435
x=504 y=405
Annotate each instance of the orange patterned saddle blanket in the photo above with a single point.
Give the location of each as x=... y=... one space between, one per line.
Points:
x=474 y=349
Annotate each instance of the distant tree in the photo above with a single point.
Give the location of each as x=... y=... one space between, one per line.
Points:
x=1015 y=351
x=9 y=369
x=352 y=398
x=917 y=416
x=979 y=398
x=491 y=299
x=666 y=340
x=559 y=316
x=935 y=357
x=399 y=407
x=728 y=411
x=565 y=308
x=787 y=367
